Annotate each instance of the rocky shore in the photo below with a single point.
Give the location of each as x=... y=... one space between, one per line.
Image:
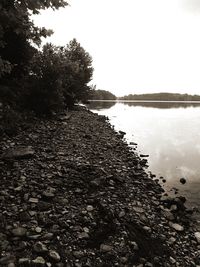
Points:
x=73 y=193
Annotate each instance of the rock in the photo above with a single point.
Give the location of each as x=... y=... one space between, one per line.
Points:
x=171 y=240
x=89 y=208
x=19 y=153
x=83 y=235
x=39 y=247
x=47 y=236
x=78 y=254
x=43 y=206
x=105 y=248
x=54 y=255
x=49 y=193
x=177 y=227
x=19 y=231
x=39 y=261
x=33 y=200
x=182 y=180
x=197 y=235
x=38 y=229
x=168 y=215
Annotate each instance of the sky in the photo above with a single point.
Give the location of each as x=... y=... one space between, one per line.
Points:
x=137 y=46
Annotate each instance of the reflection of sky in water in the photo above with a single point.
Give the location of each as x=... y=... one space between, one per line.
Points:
x=171 y=136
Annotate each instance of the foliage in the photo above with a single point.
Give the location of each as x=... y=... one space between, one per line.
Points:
x=102 y=95
x=77 y=73
x=59 y=77
x=43 y=89
x=162 y=97
x=17 y=32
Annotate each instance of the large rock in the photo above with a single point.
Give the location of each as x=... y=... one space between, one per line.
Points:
x=177 y=227
x=197 y=235
x=23 y=152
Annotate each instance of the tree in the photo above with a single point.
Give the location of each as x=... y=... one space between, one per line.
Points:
x=18 y=33
x=78 y=72
x=102 y=95
x=58 y=77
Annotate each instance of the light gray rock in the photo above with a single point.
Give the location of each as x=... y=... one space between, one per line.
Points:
x=177 y=227
x=23 y=152
x=105 y=248
x=54 y=255
x=197 y=235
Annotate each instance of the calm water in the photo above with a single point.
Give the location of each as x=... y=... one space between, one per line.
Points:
x=169 y=133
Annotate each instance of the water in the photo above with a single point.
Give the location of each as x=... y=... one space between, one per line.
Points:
x=169 y=133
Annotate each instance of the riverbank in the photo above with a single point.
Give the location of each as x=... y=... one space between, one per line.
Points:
x=75 y=194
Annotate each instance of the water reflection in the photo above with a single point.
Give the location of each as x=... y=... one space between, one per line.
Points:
x=171 y=137
x=163 y=105
x=98 y=105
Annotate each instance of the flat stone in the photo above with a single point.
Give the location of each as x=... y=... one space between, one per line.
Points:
x=89 y=208
x=33 y=200
x=23 y=152
x=197 y=235
x=105 y=248
x=177 y=227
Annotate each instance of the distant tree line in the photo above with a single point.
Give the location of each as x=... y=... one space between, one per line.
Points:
x=162 y=97
x=102 y=95
x=38 y=79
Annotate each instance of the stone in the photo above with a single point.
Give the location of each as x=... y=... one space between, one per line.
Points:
x=49 y=193
x=182 y=180
x=39 y=247
x=105 y=248
x=33 y=200
x=177 y=227
x=89 y=208
x=48 y=236
x=78 y=254
x=38 y=229
x=39 y=261
x=83 y=235
x=171 y=240
x=23 y=152
x=19 y=231
x=54 y=255
x=197 y=236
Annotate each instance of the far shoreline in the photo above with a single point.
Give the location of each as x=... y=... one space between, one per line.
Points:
x=142 y=101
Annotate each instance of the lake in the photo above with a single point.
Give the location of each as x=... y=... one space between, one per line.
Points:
x=169 y=132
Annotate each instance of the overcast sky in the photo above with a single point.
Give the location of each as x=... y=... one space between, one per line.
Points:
x=137 y=46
